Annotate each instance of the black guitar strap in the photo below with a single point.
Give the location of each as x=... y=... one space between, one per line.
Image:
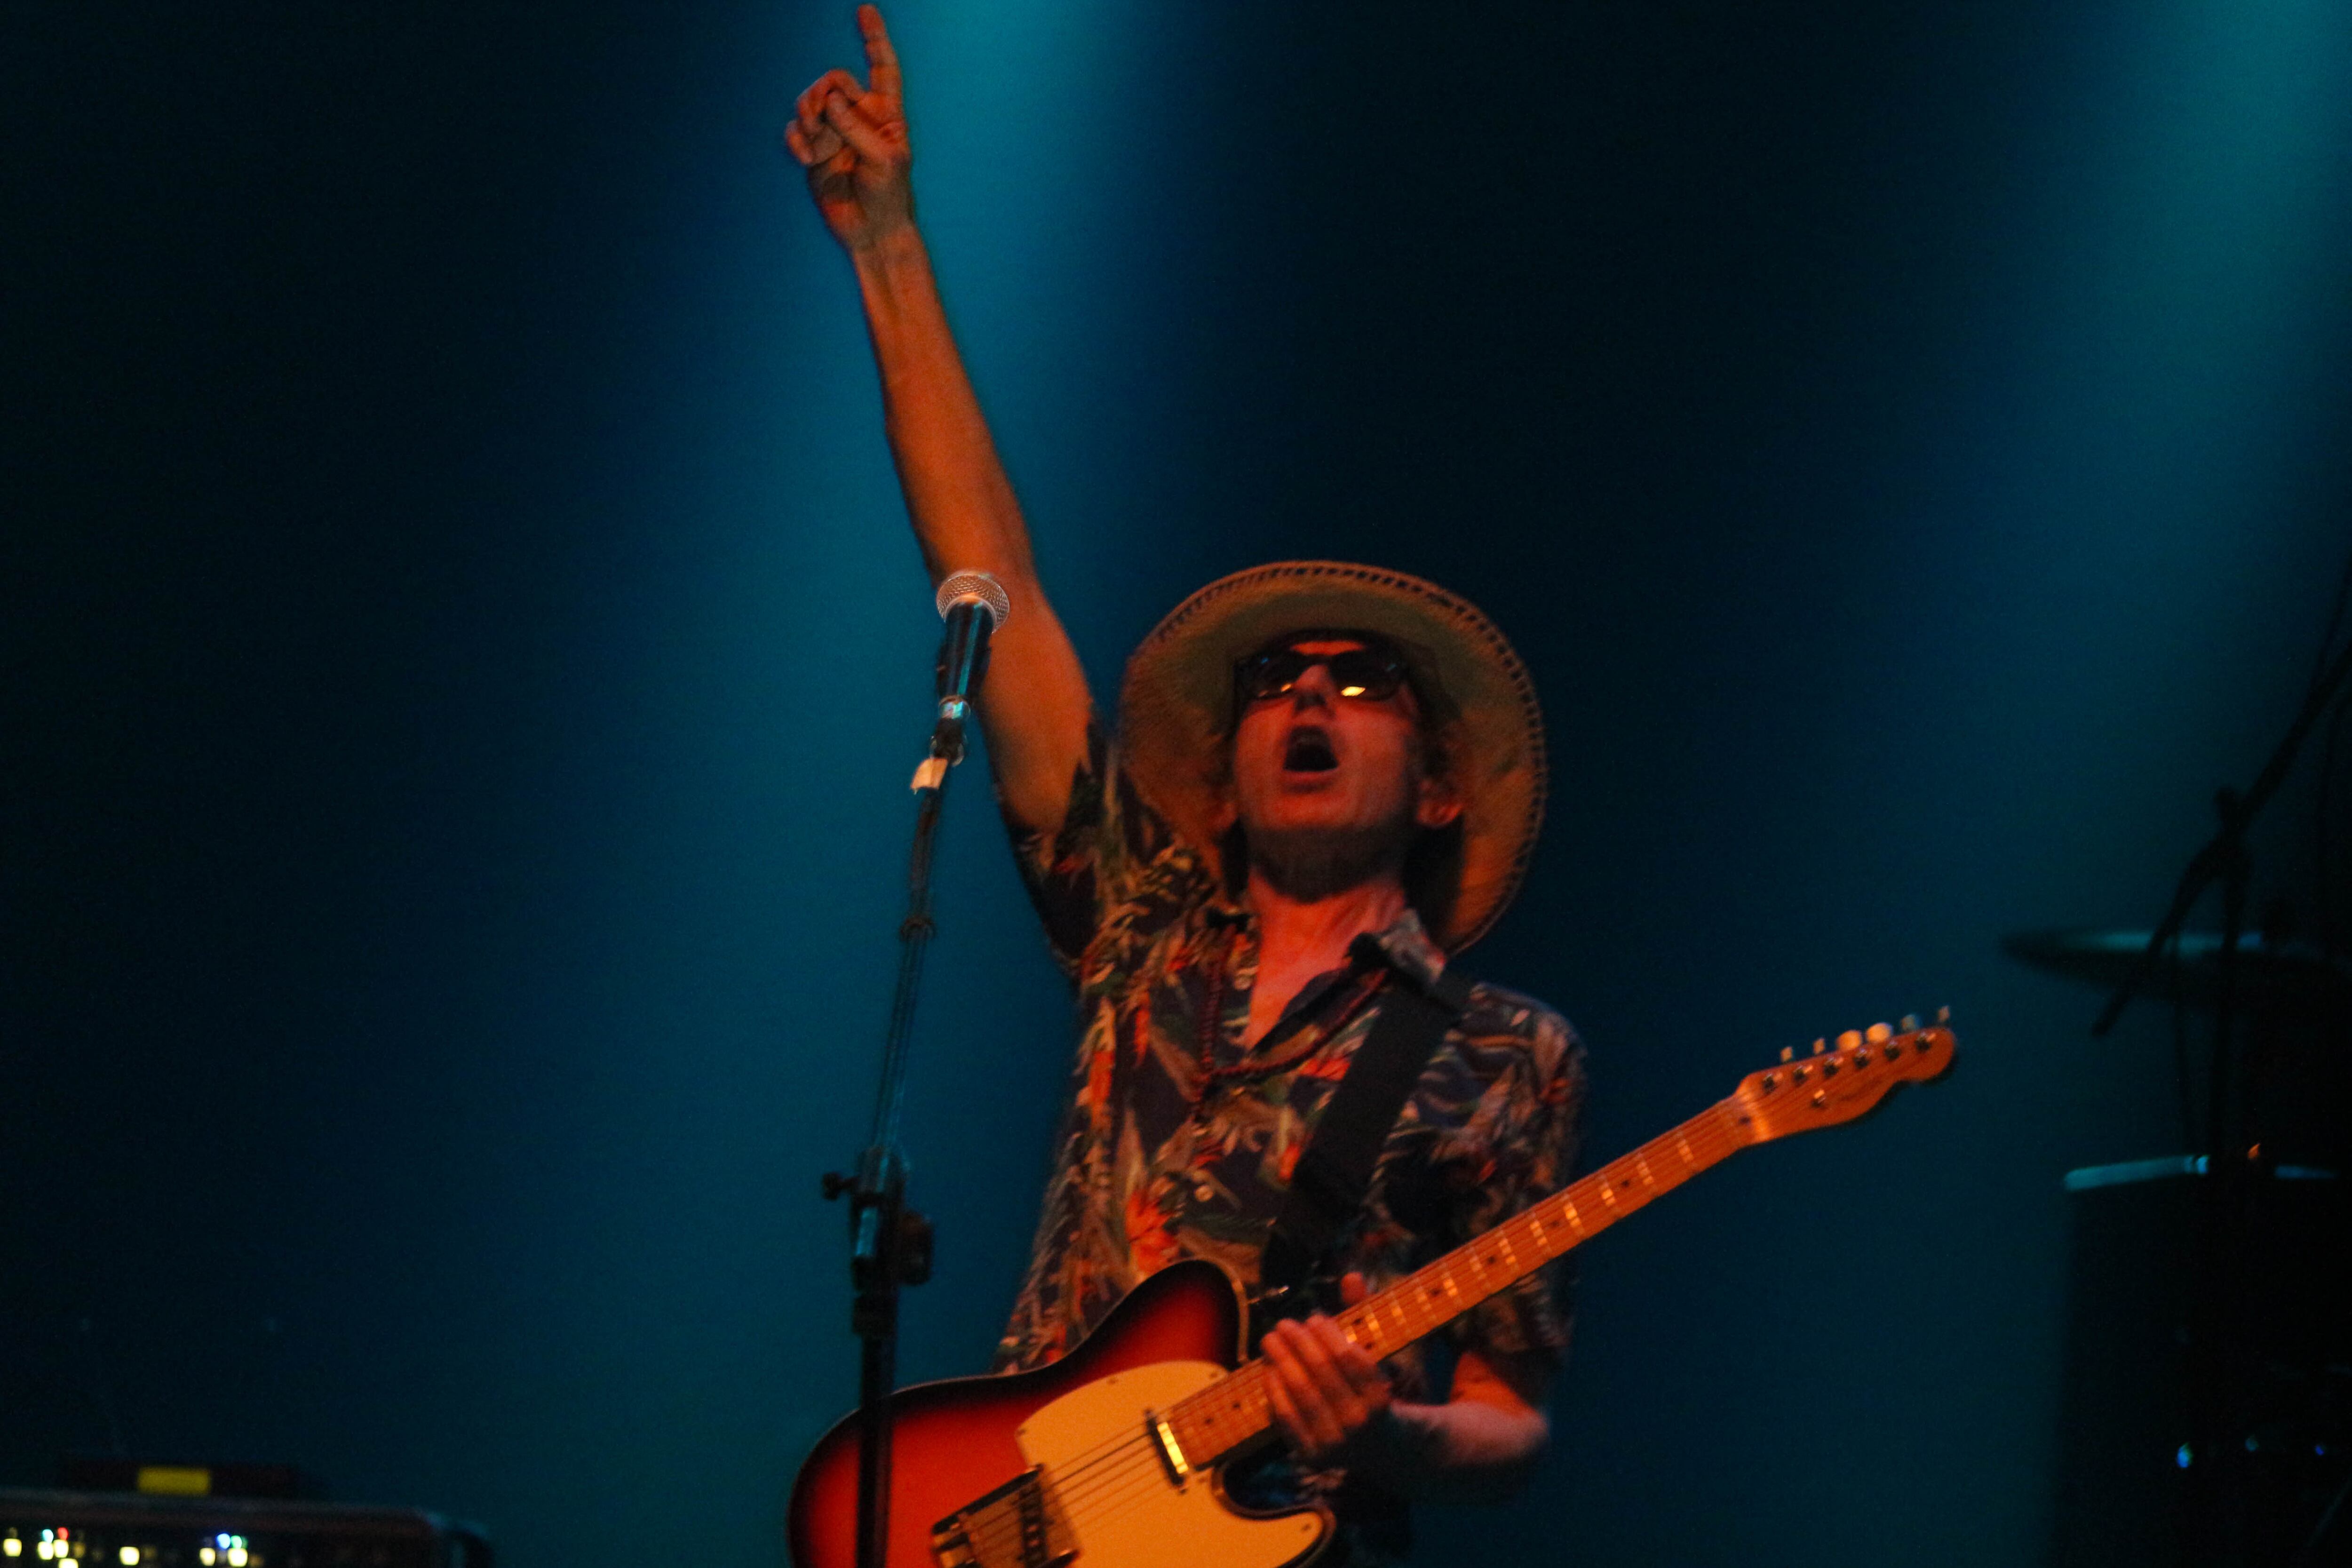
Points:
x=1335 y=1170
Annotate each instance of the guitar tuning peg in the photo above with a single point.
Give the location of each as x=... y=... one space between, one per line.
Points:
x=1819 y=1046
x=1879 y=1034
x=1788 y=1053
x=1943 y=1015
x=1850 y=1039
x=1910 y=1024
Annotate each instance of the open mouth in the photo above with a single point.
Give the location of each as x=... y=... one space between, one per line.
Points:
x=1309 y=751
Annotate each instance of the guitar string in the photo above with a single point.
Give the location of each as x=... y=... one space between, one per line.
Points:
x=1114 y=1447
x=1110 y=1498
x=1703 y=1141
x=1005 y=1522
x=1109 y=1495
x=1080 y=1491
x=1098 y=1497
x=1101 y=1502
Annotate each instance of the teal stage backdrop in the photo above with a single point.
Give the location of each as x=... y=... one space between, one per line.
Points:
x=463 y=654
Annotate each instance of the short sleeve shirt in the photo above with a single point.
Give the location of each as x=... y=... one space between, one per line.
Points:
x=1178 y=1143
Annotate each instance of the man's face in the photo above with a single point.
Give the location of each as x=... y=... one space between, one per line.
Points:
x=1314 y=760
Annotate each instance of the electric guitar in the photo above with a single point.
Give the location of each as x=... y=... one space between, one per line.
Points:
x=1110 y=1458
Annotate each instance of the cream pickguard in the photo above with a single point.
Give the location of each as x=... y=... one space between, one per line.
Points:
x=1137 y=1515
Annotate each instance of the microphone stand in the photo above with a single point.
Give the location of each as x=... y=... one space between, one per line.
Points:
x=2216 y=1287
x=890 y=1244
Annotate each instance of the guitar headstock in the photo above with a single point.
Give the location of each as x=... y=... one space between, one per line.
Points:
x=1843 y=1080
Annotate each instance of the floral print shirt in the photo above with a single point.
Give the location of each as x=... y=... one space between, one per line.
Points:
x=1178 y=1143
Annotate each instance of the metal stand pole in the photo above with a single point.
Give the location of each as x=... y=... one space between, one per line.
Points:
x=2215 y=1520
x=890 y=1244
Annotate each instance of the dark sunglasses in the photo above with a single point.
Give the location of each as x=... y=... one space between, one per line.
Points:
x=1363 y=673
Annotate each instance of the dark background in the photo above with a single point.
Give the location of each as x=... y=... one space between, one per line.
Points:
x=463 y=654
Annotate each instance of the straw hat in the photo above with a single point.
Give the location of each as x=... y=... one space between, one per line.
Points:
x=1176 y=711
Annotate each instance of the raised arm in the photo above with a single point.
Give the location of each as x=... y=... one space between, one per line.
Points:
x=852 y=140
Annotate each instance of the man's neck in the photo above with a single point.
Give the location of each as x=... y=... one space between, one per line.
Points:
x=1296 y=938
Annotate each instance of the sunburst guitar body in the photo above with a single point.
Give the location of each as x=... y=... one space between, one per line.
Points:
x=1111 y=1456
x=1072 y=1443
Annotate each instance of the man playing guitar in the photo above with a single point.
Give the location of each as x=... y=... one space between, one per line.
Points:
x=1325 y=781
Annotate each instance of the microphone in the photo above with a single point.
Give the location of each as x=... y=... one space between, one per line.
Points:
x=973 y=605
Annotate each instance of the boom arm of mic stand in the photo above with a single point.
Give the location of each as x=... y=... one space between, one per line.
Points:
x=2227 y=847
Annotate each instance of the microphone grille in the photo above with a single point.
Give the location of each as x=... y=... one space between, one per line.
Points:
x=975 y=587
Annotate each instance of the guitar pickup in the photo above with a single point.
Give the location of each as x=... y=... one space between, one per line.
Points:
x=1020 y=1524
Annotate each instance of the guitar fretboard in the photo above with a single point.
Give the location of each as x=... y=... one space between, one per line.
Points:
x=1232 y=1411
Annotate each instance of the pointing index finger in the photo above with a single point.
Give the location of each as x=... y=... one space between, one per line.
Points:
x=881 y=60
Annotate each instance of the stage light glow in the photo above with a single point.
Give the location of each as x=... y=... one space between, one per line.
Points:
x=236 y=1557
x=130 y=1556
x=207 y=1556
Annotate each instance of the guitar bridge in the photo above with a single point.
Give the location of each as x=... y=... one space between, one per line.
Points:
x=1020 y=1524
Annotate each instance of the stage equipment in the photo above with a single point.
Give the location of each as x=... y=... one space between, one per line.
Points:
x=2272 y=1099
x=1111 y=1453
x=110 y=1473
x=2191 y=975
x=2127 y=1462
x=134 y=1530
x=890 y=1243
x=973 y=605
x=2287 y=1085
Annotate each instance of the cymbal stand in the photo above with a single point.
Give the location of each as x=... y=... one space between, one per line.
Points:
x=2213 y=1453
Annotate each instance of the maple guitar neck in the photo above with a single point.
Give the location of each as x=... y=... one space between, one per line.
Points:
x=1234 y=1413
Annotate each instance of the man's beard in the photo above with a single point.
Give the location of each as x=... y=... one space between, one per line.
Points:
x=1310 y=864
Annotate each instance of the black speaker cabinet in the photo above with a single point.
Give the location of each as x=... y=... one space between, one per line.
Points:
x=2124 y=1460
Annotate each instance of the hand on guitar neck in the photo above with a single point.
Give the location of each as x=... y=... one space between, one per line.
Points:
x=1334 y=1407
